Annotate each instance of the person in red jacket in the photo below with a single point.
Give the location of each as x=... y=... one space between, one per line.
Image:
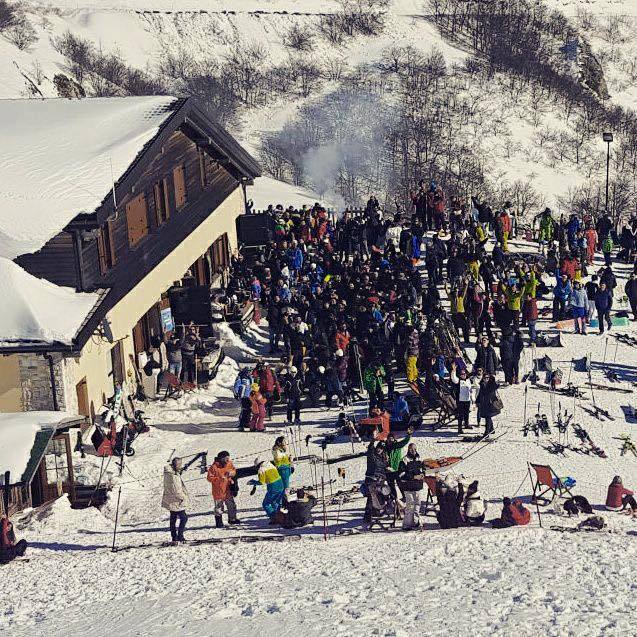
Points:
x=9 y=549
x=342 y=338
x=514 y=513
x=618 y=497
x=268 y=384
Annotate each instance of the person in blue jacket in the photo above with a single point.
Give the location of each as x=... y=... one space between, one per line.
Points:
x=562 y=293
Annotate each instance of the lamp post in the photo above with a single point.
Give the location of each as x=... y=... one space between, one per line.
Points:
x=608 y=138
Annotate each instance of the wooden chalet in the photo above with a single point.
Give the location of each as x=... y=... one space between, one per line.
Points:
x=171 y=213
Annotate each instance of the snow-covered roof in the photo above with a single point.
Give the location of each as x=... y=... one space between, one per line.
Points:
x=59 y=157
x=37 y=311
x=18 y=432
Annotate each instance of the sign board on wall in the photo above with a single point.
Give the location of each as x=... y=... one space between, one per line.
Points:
x=167 y=322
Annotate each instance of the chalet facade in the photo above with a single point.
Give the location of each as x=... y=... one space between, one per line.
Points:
x=170 y=212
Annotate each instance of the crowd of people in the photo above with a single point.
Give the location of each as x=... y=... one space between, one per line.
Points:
x=352 y=304
x=430 y=299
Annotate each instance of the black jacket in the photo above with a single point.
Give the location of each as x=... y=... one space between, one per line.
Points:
x=407 y=469
x=300 y=512
x=486 y=358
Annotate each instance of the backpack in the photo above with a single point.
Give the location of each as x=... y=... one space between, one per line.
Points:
x=607 y=245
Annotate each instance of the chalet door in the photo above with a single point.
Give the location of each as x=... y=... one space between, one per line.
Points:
x=83 y=407
x=117 y=362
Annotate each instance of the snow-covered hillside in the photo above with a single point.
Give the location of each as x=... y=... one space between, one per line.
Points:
x=516 y=137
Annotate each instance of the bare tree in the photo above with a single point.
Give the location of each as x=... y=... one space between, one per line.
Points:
x=299 y=38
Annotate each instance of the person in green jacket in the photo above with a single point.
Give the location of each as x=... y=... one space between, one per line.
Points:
x=373 y=382
x=394 y=449
x=607 y=248
x=547 y=226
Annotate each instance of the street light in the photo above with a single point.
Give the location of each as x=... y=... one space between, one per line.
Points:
x=608 y=138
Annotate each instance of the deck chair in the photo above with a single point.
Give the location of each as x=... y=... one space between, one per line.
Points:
x=431 y=501
x=547 y=481
x=174 y=387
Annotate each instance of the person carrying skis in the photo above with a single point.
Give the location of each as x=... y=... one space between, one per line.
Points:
x=241 y=390
x=282 y=461
x=411 y=476
x=222 y=477
x=175 y=499
x=9 y=548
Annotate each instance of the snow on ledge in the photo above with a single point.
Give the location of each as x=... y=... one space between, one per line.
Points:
x=36 y=310
x=17 y=434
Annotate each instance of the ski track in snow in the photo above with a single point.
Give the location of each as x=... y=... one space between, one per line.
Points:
x=524 y=581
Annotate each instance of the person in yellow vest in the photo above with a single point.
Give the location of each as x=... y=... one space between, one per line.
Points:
x=457 y=296
x=282 y=461
x=513 y=295
x=269 y=476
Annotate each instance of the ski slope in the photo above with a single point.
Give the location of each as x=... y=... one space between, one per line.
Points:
x=525 y=581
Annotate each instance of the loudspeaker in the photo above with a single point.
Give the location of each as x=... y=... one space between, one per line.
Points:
x=255 y=230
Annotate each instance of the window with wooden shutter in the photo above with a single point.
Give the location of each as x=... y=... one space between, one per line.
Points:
x=179 y=178
x=106 y=247
x=137 y=219
x=162 y=205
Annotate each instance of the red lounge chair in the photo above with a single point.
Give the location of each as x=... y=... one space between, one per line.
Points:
x=547 y=481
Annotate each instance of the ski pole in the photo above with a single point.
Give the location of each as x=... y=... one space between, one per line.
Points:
x=616 y=346
x=329 y=477
x=119 y=495
x=526 y=392
x=324 y=509
x=605 y=348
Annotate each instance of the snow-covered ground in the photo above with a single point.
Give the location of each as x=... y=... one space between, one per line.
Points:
x=525 y=581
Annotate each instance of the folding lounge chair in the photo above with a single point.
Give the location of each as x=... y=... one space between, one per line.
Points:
x=547 y=481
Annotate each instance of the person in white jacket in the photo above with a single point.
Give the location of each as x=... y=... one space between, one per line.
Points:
x=466 y=392
x=176 y=499
x=474 y=507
